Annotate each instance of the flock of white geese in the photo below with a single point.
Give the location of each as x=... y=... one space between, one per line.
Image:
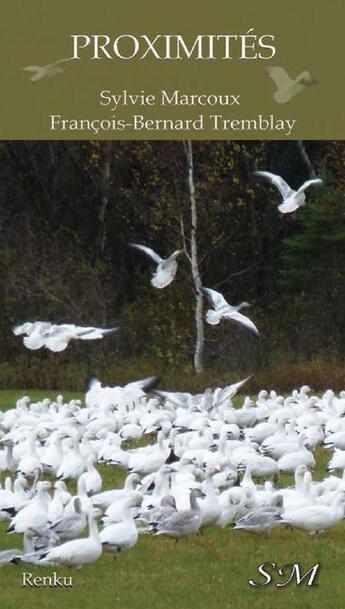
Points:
x=191 y=461
x=204 y=462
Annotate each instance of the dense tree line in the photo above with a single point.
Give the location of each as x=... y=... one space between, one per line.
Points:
x=69 y=209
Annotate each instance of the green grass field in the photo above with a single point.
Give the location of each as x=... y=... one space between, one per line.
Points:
x=209 y=571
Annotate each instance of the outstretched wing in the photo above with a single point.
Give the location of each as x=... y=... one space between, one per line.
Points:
x=148 y=251
x=21 y=329
x=279 y=76
x=242 y=319
x=216 y=299
x=146 y=384
x=229 y=391
x=56 y=63
x=180 y=399
x=175 y=255
x=32 y=68
x=94 y=333
x=277 y=181
x=38 y=72
x=309 y=183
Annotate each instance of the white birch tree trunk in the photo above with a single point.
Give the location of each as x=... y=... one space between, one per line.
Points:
x=199 y=322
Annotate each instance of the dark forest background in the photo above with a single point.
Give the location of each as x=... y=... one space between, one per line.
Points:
x=69 y=209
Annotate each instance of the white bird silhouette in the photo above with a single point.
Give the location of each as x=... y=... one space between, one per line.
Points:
x=287 y=88
x=51 y=69
x=56 y=337
x=166 y=268
x=223 y=309
x=292 y=199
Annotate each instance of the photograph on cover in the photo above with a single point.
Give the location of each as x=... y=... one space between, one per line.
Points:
x=172 y=373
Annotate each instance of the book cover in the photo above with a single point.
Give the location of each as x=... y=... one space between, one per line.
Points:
x=172 y=328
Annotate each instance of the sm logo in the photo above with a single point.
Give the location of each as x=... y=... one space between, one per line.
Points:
x=290 y=572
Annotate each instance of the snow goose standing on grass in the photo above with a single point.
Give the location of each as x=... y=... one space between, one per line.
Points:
x=116 y=511
x=263 y=466
x=149 y=459
x=232 y=507
x=57 y=505
x=91 y=478
x=247 y=415
x=157 y=513
x=121 y=535
x=335 y=440
x=161 y=484
x=221 y=308
x=52 y=453
x=209 y=505
x=30 y=461
x=262 y=519
x=71 y=525
x=104 y=499
x=13 y=499
x=33 y=540
x=111 y=452
x=292 y=199
x=72 y=464
x=7 y=461
x=181 y=523
x=302 y=494
x=166 y=268
x=337 y=460
x=77 y=552
x=317 y=518
x=35 y=513
x=288 y=462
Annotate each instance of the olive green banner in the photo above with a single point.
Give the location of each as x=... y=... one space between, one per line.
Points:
x=100 y=69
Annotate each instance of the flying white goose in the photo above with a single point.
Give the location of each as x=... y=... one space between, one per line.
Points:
x=223 y=309
x=292 y=199
x=51 y=69
x=56 y=337
x=77 y=552
x=287 y=88
x=166 y=268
